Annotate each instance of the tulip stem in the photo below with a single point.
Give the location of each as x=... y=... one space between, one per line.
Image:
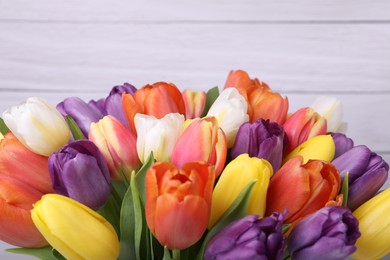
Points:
x=176 y=254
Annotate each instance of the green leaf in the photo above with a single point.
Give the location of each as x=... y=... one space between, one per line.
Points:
x=3 y=127
x=44 y=253
x=211 y=96
x=57 y=255
x=238 y=209
x=141 y=174
x=167 y=254
x=74 y=128
x=344 y=189
x=285 y=228
x=111 y=212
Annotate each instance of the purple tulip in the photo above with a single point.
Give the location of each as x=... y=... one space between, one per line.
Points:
x=329 y=233
x=80 y=111
x=367 y=174
x=113 y=103
x=79 y=171
x=342 y=143
x=98 y=105
x=262 y=139
x=249 y=238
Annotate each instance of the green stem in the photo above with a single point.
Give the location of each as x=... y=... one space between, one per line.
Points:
x=176 y=254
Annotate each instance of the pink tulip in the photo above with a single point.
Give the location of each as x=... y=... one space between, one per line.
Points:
x=194 y=102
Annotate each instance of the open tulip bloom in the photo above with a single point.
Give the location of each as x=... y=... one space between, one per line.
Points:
x=156 y=172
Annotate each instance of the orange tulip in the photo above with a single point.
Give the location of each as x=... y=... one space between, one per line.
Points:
x=194 y=102
x=301 y=189
x=302 y=125
x=207 y=143
x=157 y=100
x=178 y=202
x=262 y=102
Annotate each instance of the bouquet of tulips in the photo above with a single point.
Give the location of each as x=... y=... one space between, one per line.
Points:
x=156 y=173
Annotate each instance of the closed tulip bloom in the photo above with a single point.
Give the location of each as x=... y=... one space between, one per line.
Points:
x=302 y=189
x=207 y=143
x=98 y=105
x=329 y=233
x=374 y=225
x=230 y=111
x=79 y=171
x=178 y=202
x=342 y=144
x=249 y=238
x=240 y=80
x=157 y=135
x=80 y=111
x=262 y=139
x=321 y=147
x=194 y=102
x=332 y=110
x=38 y=125
x=117 y=144
x=367 y=173
x=236 y=175
x=303 y=125
x=74 y=230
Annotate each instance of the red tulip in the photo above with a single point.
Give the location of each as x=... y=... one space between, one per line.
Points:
x=178 y=202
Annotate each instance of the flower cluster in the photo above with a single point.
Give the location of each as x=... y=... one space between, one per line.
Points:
x=156 y=173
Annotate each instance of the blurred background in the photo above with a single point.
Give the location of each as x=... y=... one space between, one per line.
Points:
x=302 y=49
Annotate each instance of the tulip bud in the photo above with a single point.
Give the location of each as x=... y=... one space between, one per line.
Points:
x=374 y=225
x=249 y=238
x=320 y=147
x=117 y=144
x=236 y=175
x=178 y=202
x=98 y=105
x=342 y=144
x=367 y=173
x=303 y=125
x=194 y=102
x=207 y=142
x=230 y=111
x=262 y=139
x=329 y=233
x=74 y=230
x=79 y=171
x=81 y=112
x=302 y=189
x=157 y=135
x=38 y=126
x=331 y=109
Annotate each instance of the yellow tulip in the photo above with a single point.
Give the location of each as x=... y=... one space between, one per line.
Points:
x=320 y=147
x=237 y=174
x=73 y=229
x=374 y=226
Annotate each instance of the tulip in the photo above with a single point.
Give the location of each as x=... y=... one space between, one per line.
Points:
x=98 y=105
x=262 y=139
x=16 y=226
x=303 y=125
x=117 y=144
x=237 y=174
x=321 y=147
x=374 y=225
x=329 y=233
x=38 y=126
x=342 y=144
x=249 y=238
x=81 y=112
x=230 y=111
x=240 y=80
x=194 y=102
x=79 y=171
x=367 y=173
x=178 y=202
x=207 y=142
x=158 y=100
x=74 y=230
x=331 y=109
x=113 y=103
x=302 y=189
x=157 y=135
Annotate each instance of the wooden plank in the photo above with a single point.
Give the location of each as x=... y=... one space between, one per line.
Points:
x=290 y=57
x=177 y=11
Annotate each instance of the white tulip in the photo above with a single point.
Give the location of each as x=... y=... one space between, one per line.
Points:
x=38 y=125
x=157 y=135
x=332 y=110
x=230 y=110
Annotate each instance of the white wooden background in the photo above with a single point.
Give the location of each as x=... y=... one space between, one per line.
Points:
x=303 y=49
